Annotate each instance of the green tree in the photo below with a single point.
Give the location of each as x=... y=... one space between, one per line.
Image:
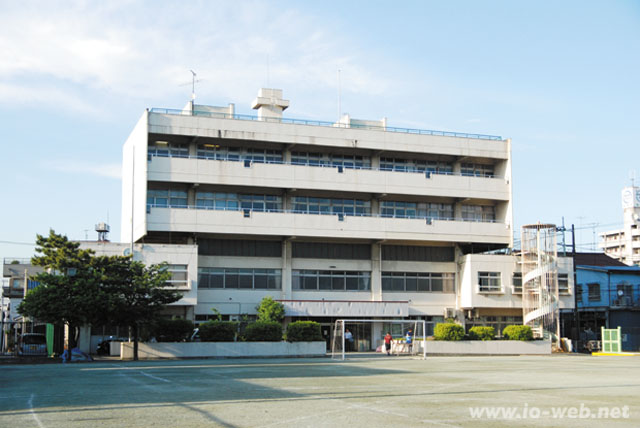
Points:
x=69 y=291
x=270 y=310
x=136 y=294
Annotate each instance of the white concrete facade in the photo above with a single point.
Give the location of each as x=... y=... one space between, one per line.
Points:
x=624 y=244
x=391 y=260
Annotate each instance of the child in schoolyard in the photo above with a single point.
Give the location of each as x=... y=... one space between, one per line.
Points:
x=387 y=343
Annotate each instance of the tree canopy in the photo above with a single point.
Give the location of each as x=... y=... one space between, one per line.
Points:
x=270 y=310
x=80 y=288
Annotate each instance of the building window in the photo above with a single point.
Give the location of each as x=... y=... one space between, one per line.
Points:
x=332 y=160
x=415 y=165
x=166 y=149
x=489 y=282
x=623 y=295
x=476 y=170
x=178 y=276
x=413 y=253
x=354 y=207
x=398 y=209
x=237 y=278
x=479 y=213
x=563 y=283
x=516 y=283
x=216 y=152
x=235 y=201
x=167 y=198
x=330 y=280
x=594 y=292
x=420 y=282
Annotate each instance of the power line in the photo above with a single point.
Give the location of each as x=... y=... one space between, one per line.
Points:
x=18 y=243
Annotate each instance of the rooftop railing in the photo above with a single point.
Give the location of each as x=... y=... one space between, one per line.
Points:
x=16 y=261
x=325 y=124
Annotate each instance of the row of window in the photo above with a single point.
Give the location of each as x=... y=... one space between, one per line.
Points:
x=399 y=209
x=414 y=165
x=331 y=280
x=235 y=201
x=257 y=279
x=217 y=152
x=309 y=205
x=356 y=207
x=491 y=282
x=418 y=282
x=324 y=159
x=322 y=250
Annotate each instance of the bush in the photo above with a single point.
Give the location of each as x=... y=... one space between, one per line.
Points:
x=517 y=332
x=481 y=333
x=218 y=331
x=263 y=331
x=270 y=310
x=172 y=330
x=304 y=331
x=448 y=331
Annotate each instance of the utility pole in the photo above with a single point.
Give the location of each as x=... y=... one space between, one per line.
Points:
x=576 y=312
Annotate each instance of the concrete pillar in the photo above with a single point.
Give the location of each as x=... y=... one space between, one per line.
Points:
x=286 y=269
x=375 y=206
x=376 y=271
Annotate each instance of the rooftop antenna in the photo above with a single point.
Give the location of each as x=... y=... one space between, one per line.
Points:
x=632 y=177
x=193 y=85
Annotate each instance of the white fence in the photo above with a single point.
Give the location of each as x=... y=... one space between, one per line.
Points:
x=222 y=349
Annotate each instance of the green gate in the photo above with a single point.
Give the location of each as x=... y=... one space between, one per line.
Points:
x=611 y=340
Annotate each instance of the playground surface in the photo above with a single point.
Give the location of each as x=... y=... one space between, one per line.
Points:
x=362 y=391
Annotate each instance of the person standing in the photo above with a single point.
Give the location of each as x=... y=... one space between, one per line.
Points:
x=409 y=340
x=387 y=343
x=348 y=340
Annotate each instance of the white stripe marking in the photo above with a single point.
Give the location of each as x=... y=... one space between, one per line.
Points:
x=33 y=413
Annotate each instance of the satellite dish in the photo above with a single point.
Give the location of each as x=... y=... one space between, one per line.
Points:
x=620 y=292
x=126 y=252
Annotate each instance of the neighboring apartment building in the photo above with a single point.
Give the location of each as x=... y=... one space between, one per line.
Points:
x=336 y=220
x=624 y=244
x=608 y=295
x=17 y=279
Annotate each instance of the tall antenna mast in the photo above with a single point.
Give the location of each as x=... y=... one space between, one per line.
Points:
x=193 y=85
x=632 y=176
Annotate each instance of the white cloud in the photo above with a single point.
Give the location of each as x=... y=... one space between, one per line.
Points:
x=145 y=50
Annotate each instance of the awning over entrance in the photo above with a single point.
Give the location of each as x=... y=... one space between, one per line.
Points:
x=345 y=308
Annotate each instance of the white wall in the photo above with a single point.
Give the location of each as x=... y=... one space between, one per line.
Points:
x=155 y=254
x=134 y=182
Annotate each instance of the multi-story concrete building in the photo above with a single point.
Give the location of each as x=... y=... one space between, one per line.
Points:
x=336 y=220
x=624 y=244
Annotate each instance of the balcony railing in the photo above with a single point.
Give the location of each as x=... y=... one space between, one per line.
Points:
x=340 y=168
x=325 y=124
x=247 y=213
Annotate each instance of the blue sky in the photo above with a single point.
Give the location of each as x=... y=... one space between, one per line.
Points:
x=558 y=78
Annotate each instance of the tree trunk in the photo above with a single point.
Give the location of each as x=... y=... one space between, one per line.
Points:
x=72 y=342
x=135 y=341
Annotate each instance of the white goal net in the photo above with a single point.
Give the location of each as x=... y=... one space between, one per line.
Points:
x=350 y=336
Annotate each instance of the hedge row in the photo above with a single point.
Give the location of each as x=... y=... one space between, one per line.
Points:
x=259 y=331
x=454 y=332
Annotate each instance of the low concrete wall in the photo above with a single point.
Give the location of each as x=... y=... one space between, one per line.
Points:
x=223 y=349
x=489 y=347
